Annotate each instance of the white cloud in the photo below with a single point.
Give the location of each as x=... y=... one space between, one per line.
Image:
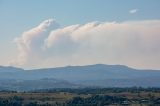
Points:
x=134 y=43
x=133 y=11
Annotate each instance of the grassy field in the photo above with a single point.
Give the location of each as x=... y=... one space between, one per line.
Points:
x=41 y=98
x=83 y=97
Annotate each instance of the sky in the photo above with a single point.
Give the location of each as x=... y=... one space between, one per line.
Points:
x=53 y=33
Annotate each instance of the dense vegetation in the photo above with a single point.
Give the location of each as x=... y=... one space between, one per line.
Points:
x=83 y=97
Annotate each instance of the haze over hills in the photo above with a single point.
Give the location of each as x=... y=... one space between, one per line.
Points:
x=98 y=75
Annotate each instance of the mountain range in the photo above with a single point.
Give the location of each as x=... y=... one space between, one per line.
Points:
x=98 y=75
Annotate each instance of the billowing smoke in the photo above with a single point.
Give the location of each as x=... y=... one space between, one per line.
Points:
x=134 y=43
x=30 y=44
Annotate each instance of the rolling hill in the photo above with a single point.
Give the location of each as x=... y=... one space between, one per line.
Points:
x=99 y=75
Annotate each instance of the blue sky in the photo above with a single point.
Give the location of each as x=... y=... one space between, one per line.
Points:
x=18 y=16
